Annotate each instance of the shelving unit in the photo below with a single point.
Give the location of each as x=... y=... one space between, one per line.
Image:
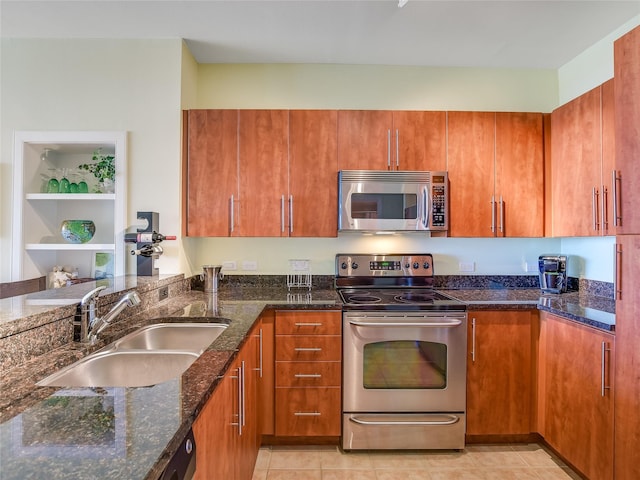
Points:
x=37 y=243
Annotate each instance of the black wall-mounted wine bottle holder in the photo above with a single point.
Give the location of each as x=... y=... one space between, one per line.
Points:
x=146 y=266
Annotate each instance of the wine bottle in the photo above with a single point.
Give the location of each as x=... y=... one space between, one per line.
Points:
x=152 y=237
x=148 y=250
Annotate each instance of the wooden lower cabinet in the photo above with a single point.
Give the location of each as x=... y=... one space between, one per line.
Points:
x=308 y=373
x=627 y=378
x=500 y=372
x=577 y=394
x=226 y=431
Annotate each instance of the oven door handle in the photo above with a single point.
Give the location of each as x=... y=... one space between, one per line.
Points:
x=447 y=323
x=452 y=420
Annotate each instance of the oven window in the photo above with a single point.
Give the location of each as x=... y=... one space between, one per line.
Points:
x=389 y=206
x=403 y=364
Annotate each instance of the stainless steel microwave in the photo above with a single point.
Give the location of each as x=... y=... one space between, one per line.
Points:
x=397 y=201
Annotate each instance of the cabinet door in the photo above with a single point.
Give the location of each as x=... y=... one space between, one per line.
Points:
x=266 y=379
x=519 y=175
x=212 y=171
x=263 y=154
x=418 y=140
x=578 y=400
x=250 y=437
x=364 y=140
x=499 y=375
x=471 y=174
x=313 y=173
x=576 y=166
x=627 y=381
x=627 y=129
x=216 y=433
x=608 y=159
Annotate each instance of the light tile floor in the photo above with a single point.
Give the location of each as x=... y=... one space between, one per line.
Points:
x=487 y=462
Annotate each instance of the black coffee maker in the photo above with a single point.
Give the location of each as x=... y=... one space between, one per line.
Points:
x=553 y=273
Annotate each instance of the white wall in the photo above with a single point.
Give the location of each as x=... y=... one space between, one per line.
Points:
x=131 y=85
x=592 y=67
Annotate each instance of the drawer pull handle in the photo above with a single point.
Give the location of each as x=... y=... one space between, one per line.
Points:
x=313 y=349
x=318 y=324
x=307 y=414
x=307 y=375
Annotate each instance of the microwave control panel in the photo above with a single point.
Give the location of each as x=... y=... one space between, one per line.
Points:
x=439 y=202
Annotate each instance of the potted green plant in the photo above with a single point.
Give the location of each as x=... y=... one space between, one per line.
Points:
x=104 y=170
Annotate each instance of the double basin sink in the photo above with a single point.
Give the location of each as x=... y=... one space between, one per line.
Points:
x=145 y=357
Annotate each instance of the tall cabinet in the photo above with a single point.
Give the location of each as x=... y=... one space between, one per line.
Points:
x=38 y=245
x=627 y=131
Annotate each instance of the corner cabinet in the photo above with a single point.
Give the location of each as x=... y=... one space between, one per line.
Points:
x=37 y=242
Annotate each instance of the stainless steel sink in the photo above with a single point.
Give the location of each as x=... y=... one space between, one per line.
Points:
x=122 y=368
x=192 y=337
x=150 y=355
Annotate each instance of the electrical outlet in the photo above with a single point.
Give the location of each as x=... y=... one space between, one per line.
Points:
x=163 y=293
x=249 y=265
x=467 y=266
x=229 y=265
x=531 y=266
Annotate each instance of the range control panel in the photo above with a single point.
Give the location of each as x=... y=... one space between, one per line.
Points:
x=395 y=265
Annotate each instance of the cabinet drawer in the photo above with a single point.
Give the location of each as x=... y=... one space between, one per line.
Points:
x=308 y=411
x=301 y=348
x=308 y=374
x=309 y=323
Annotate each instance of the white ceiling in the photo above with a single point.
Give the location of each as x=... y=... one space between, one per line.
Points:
x=476 y=33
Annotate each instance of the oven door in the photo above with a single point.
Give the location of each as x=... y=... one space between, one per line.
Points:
x=411 y=362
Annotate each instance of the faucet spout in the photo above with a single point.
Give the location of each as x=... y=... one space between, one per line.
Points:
x=131 y=299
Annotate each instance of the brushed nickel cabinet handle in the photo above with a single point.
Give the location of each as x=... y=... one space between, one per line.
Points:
x=594 y=208
x=397 y=149
x=473 y=340
x=617 y=271
x=604 y=216
x=493 y=214
x=290 y=213
x=307 y=375
x=303 y=349
x=232 y=208
x=501 y=215
x=310 y=324
x=389 y=149
x=307 y=414
x=615 y=181
x=603 y=364
x=282 y=213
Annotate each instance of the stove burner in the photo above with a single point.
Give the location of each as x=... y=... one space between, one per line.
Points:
x=415 y=297
x=363 y=298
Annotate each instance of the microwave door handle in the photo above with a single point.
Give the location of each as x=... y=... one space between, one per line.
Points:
x=425 y=206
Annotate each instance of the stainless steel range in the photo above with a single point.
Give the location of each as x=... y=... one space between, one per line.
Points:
x=404 y=355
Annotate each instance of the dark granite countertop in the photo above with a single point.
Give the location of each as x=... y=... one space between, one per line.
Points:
x=595 y=311
x=126 y=433
x=56 y=433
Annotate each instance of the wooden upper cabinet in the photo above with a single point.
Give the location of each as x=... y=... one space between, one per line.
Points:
x=211 y=171
x=581 y=146
x=364 y=139
x=627 y=130
x=313 y=173
x=263 y=157
x=608 y=159
x=471 y=173
x=519 y=175
x=391 y=140
x=419 y=140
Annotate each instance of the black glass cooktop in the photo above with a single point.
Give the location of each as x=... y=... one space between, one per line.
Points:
x=397 y=299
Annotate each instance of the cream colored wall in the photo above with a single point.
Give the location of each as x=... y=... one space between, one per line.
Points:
x=131 y=85
x=592 y=67
x=375 y=87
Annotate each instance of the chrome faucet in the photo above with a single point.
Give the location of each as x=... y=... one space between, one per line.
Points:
x=87 y=326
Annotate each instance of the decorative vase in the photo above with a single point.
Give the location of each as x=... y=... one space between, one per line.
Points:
x=77 y=231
